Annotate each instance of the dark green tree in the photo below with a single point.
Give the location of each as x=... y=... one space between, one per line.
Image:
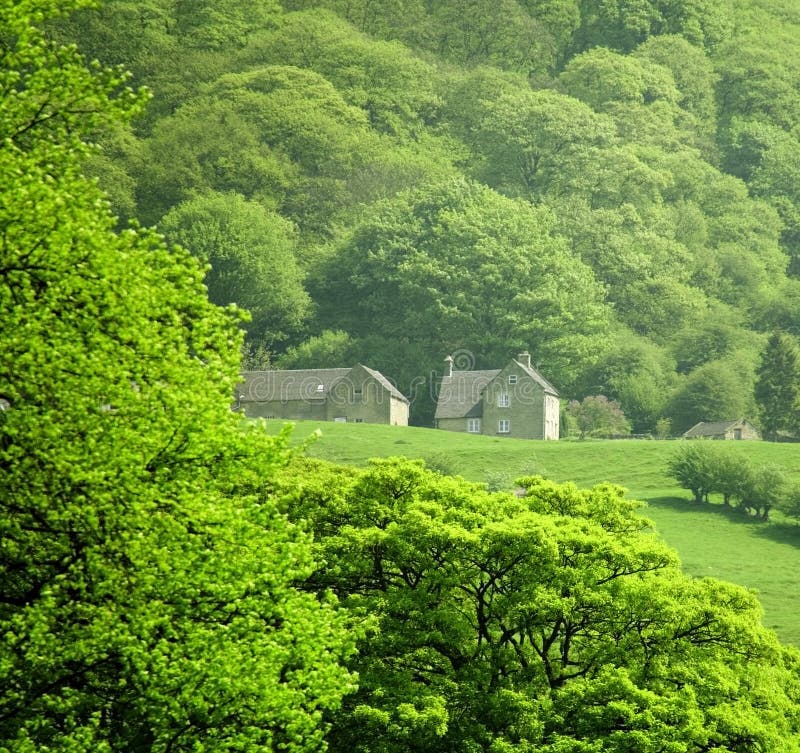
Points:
x=251 y=254
x=777 y=387
x=455 y=265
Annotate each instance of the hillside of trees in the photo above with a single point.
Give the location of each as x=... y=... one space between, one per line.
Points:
x=612 y=185
x=175 y=580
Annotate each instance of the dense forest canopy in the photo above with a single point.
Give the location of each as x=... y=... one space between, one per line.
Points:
x=175 y=580
x=611 y=185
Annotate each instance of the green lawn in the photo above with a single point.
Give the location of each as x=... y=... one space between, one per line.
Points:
x=710 y=540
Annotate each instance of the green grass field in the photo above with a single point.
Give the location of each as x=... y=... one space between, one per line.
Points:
x=710 y=539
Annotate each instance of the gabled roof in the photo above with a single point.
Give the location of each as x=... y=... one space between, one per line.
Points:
x=713 y=428
x=383 y=381
x=537 y=377
x=296 y=384
x=460 y=394
x=301 y=384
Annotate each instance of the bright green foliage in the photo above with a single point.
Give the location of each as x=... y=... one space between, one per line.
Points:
x=394 y=87
x=537 y=143
x=623 y=24
x=638 y=374
x=694 y=467
x=777 y=387
x=251 y=256
x=320 y=352
x=555 y=622
x=146 y=602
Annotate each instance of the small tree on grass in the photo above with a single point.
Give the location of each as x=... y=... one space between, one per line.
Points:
x=597 y=416
x=706 y=467
x=694 y=467
x=764 y=488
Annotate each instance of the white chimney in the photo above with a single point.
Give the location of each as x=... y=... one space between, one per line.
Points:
x=524 y=358
x=448 y=366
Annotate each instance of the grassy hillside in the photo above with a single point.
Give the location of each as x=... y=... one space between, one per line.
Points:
x=710 y=540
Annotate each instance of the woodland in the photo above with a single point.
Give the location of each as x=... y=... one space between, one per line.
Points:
x=611 y=183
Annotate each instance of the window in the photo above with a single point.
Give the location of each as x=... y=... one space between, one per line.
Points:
x=502 y=400
x=474 y=425
x=340 y=419
x=359 y=420
x=512 y=378
x=503 y=426
x=320 y=387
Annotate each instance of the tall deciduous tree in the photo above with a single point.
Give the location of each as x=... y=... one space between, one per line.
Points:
x=555 y=622
x=455 y=265
x=777 y=387
x=145 y=602
x=251 y=253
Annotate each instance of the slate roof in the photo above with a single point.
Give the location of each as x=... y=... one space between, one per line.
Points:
x=537 y=377
x=300 y=384
x=713 y=428
x=393 y=391
x=460 y=394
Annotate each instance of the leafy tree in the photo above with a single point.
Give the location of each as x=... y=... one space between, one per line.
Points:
x=598 y=416
x=463 y=268
x=320 y=352
x=623 y=24
x=716 y=391
x=777 y=387
x=603 y=78
x=473 y=32
x=537 y=143
x=636 y=373
x=394 y=87
x=556 y=622
x=716 y=334
x=147 y=600
x=251 y=256
x=693 y=73
x=694 y=467
x=763 y=488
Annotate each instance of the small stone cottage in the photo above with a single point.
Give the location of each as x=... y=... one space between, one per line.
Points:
x=738 y=429
x=353 y=395
x=515 y=401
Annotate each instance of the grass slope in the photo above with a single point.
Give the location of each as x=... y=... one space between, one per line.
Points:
x=710 y=540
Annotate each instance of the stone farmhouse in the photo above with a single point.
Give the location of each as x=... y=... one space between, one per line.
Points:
x=515 y=401
x=738 y=429
x=353 y=395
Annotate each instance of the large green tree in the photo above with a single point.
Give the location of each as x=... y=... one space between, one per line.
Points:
x=251 y=254
x=455 y=265
x=146 y=601
x=554 y=622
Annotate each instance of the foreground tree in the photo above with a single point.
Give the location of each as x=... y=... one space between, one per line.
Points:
x=551 y=623
x=145 y=602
